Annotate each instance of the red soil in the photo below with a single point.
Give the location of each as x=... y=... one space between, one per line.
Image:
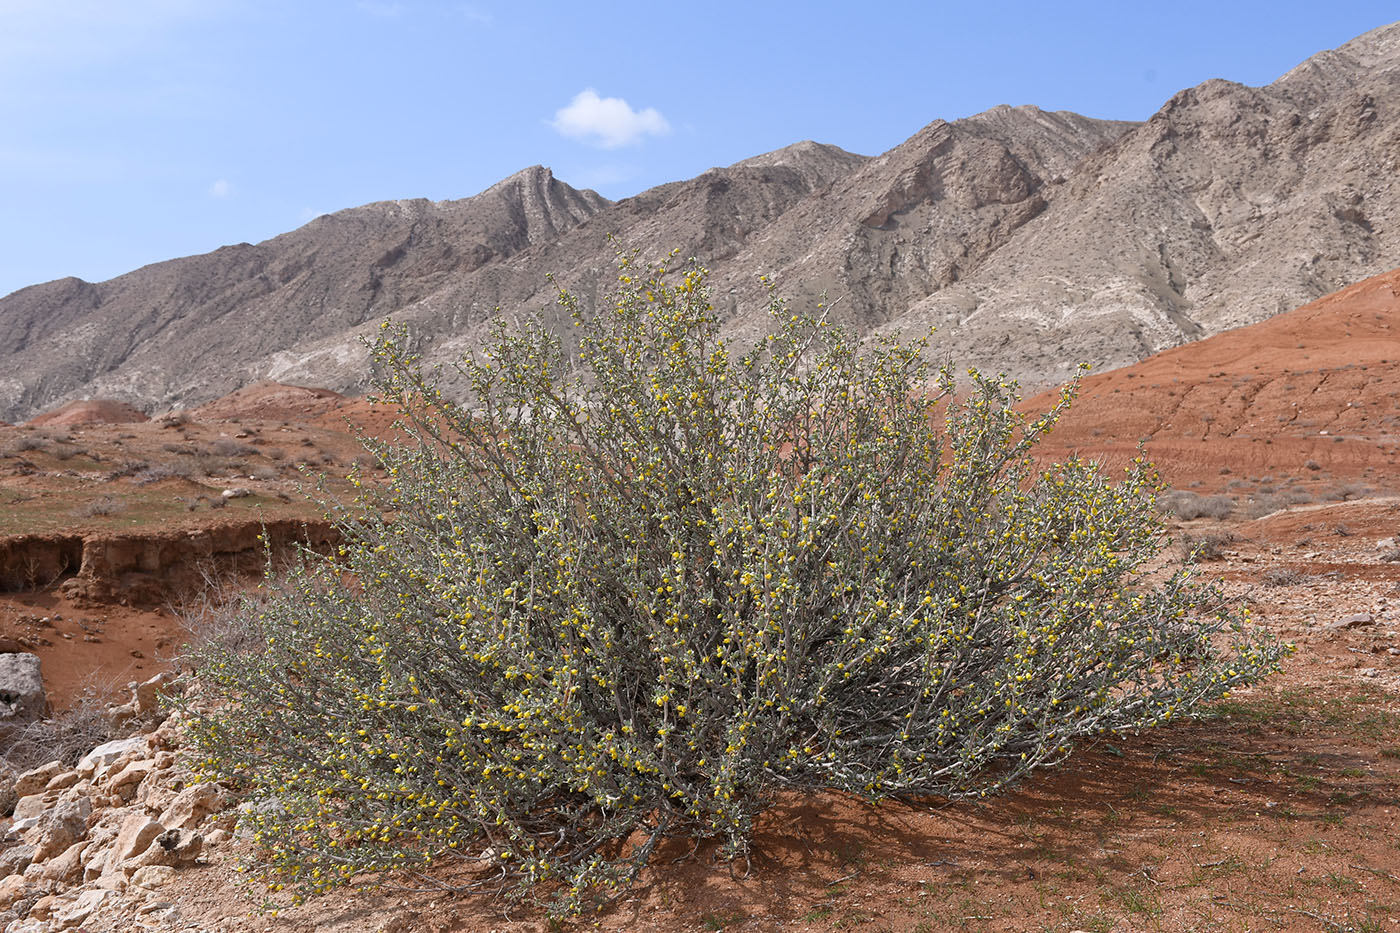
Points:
x=270 y=401
x=92 y=411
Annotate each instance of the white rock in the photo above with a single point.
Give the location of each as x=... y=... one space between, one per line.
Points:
x=104 y=755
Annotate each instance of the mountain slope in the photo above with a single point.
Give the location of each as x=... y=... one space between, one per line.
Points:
x=191 y=329
x=1229 y=205
x=1032 y=240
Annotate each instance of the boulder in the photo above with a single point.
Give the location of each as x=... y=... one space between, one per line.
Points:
x=8 y=796
x=81 y=909
x=32 y=806
x=147 y=695
x=125 y=781
x=22 y=698
x=63 y=780
x=152 y=876
x=12 y=888
x=175 y=848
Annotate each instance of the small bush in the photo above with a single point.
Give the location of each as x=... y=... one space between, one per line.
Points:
x=228 y=447
x=637 y=599
x=1187 y=505
x=1346 y=492
x=160 y=471
x=103 y=505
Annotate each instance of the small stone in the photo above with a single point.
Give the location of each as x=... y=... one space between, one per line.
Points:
x=237 y=492
x=1355 y=620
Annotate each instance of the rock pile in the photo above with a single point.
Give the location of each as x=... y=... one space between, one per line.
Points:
x=84 y=840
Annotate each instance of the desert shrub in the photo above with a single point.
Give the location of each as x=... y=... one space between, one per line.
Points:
x=159 y=471
x=1209 y=546
x=1187 y=505
x=228 y=447
x=102 y=505
x=637 y=598
x=1346 y=492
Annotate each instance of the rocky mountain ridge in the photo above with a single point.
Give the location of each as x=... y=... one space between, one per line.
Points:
x=1032 y=240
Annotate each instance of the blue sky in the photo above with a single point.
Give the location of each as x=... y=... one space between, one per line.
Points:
x=138 y=130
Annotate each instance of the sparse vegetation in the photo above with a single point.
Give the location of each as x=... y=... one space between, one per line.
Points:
x=635 y=602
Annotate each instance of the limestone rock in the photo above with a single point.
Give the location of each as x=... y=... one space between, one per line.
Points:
x=174 y=848
x=63 y=780
x=152 y=876
x=108 y=753
x=137 y=833
x=81 y=909
x=125 y=781
x=15 y=859
x=67 y=867
x=36 y=779
x=60 y=828
x=192 y=805
x=33 y=806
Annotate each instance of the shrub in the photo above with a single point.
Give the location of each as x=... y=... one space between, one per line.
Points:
x=1187 y=505
x=638 y=598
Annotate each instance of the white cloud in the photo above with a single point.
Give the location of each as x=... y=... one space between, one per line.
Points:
x=222 y=188
x=608 y=122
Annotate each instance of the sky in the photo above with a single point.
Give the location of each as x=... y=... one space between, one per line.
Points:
x=133 y=131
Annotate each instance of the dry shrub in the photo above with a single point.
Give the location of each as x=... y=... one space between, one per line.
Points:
x=1187 y=505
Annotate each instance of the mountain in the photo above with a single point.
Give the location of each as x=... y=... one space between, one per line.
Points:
x=1032 y=240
